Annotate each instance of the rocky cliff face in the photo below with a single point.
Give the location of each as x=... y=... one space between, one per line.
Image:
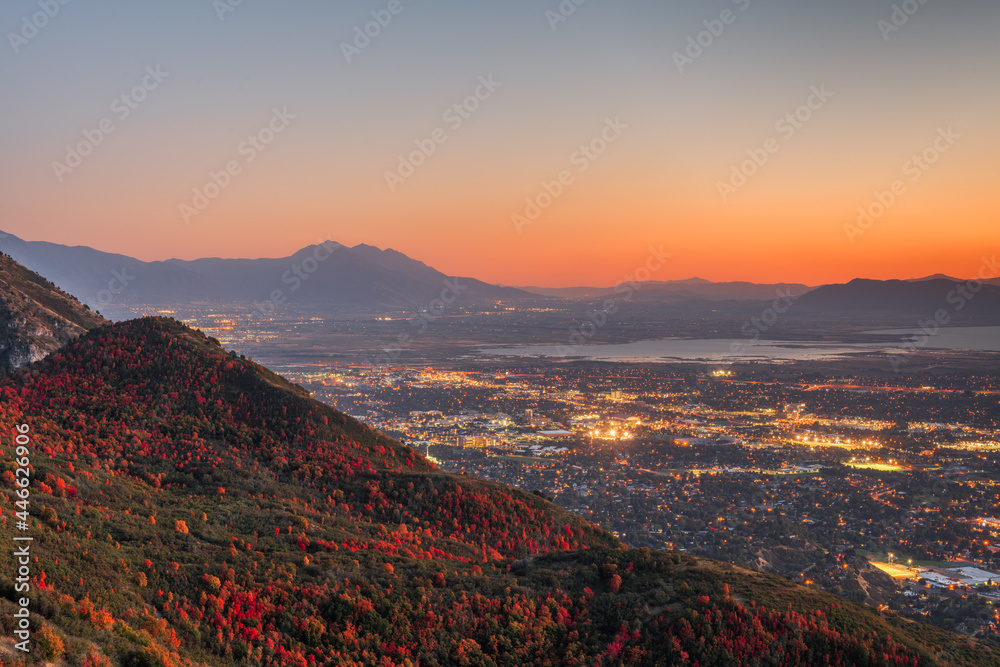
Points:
x=36 y=317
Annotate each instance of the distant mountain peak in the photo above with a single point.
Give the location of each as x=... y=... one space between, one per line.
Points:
x=323 y=275
x=908 y=300
x=936 y=276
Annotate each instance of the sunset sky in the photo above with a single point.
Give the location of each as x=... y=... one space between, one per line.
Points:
x=677 y=119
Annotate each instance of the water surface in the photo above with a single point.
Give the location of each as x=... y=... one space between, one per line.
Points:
x=677 y=349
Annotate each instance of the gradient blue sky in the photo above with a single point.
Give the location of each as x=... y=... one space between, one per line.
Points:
x=657 y=185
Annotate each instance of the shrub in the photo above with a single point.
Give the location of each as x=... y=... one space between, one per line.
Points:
x=147 y=657
x=212 y=582
x=48 y=644
x=95 y=659
x=102 y=619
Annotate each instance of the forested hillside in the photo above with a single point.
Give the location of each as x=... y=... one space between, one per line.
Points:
x=189 y=506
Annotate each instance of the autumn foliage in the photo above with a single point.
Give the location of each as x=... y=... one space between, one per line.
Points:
x=204 y=509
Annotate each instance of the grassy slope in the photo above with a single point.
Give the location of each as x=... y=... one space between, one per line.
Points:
x=46 y=295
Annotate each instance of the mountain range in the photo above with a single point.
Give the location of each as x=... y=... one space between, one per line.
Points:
x=951 y=299
x=322 y=275
x=365 y=278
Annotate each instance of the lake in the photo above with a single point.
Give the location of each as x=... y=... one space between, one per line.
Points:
x=678 y=349
x=732 y=350
x=951 y=338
